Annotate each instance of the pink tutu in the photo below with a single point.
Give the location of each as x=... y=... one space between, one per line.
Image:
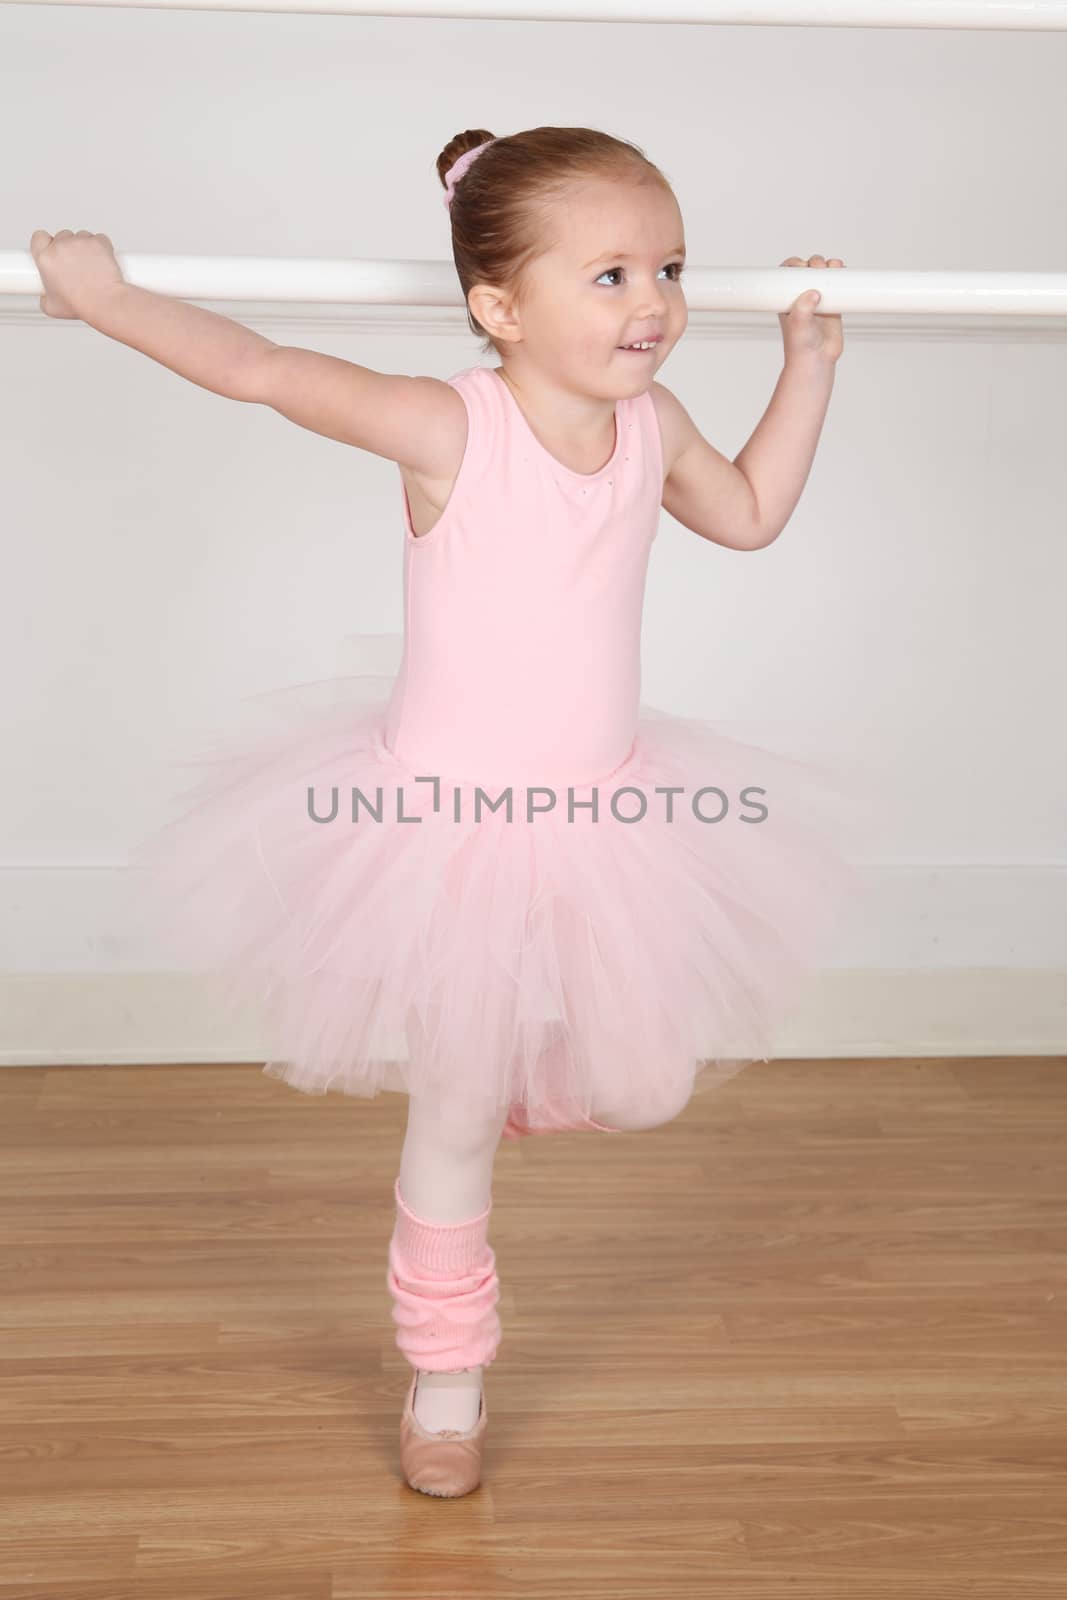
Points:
x=406 y=940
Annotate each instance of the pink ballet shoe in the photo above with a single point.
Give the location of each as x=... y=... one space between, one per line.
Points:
x=447 y=1464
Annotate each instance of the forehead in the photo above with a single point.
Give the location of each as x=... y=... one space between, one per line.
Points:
x=617 y=218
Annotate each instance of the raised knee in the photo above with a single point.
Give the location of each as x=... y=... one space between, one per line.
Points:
x=668 y=1102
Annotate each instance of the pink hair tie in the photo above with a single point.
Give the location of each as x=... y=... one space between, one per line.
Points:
x=459 y=167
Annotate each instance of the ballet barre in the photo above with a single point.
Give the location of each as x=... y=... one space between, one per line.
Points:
x=1010 y=15
x=311 y=280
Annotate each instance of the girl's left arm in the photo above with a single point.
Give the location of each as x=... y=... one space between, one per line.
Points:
x=777 y=459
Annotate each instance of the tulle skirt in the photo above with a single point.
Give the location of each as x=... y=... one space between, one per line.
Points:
x=614 y=950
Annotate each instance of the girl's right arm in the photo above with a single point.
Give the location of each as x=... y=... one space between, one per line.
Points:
x=410 y=420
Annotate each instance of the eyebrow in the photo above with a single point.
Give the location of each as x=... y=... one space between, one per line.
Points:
x=620 y=255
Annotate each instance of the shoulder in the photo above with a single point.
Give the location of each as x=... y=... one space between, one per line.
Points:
x=438 y=442
x=676 y=426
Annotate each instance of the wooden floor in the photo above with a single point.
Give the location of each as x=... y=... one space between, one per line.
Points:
x=809 y=1341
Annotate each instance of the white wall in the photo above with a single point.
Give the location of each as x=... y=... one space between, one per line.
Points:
x=167 y=552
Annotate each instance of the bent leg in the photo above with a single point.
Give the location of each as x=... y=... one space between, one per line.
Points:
x=659 y=1104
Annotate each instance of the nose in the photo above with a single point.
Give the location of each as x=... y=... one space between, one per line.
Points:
x=650 y=307
x=656 y=301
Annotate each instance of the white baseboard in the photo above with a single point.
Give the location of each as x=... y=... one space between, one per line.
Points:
x=127 y=1018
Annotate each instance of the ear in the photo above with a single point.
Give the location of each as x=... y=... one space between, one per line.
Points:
x=496 y=311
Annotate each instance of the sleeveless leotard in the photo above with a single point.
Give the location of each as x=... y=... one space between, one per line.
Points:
x=523 y=602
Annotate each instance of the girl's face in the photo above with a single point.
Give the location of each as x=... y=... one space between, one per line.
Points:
x=611 y=277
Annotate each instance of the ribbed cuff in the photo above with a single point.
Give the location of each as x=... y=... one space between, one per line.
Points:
x=441 y=1246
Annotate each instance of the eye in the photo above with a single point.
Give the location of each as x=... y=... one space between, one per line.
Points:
x=678 y=267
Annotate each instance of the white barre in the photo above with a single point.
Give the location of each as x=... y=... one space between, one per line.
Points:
x=1010 y=15
x=308 y=280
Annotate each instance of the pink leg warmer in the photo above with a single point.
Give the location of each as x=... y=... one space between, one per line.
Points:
x=444 y=1287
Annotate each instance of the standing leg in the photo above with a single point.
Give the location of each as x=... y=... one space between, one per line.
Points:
x=446 y=1164
x=442 y=1270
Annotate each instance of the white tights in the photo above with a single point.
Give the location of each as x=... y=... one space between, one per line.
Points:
x=446 y=1165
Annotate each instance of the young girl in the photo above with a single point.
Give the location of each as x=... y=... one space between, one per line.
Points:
x=500 y=883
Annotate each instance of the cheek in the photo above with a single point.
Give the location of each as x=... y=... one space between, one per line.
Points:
x=595 y=343
x=584 y=334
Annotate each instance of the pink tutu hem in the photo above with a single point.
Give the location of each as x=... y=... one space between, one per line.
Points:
x=416 y=939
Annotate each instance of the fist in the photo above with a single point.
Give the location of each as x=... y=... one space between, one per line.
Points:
x=74 y=268
x=806 y=331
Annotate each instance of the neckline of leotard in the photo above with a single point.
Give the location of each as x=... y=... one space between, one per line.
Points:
x=556 y=462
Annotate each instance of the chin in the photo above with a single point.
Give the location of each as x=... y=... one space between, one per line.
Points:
x=645 y=371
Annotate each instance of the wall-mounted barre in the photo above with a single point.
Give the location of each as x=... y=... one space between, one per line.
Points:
x=278 y=279
x=1040 y=15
